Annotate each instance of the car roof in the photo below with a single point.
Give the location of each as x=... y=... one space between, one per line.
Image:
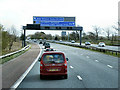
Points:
x=55 y=52
x=101 y=42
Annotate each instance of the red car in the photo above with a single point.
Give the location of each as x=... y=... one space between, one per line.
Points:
x=53 y=63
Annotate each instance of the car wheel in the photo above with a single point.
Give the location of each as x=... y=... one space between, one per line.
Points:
x=41 y=77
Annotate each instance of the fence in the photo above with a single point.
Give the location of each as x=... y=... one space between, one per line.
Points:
x=91 y=47
x=7 y=55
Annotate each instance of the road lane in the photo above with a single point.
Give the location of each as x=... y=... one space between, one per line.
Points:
x=33 y=80
x=87 y=73
x=95 y=73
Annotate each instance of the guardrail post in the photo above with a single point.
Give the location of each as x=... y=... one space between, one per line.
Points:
x=116 y=53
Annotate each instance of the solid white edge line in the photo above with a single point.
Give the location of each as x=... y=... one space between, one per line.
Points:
x=17 y=83
x=110 y=66
x=79 y=77
x=71 y=67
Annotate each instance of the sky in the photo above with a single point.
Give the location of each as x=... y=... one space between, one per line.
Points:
x=88 y=13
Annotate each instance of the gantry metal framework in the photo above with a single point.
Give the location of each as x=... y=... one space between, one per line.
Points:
x=58 y=28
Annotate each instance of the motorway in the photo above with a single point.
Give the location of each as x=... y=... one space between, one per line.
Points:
x=95 y=45
x=14 y=68
x=86 y=69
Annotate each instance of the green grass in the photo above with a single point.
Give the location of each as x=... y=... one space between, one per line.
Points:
x=2 y=61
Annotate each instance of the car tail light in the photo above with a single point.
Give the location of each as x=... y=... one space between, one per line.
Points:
x=65 y=69
x=41 y=66
x=65 y=64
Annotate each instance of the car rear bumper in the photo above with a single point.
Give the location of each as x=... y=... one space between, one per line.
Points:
x=55 y=74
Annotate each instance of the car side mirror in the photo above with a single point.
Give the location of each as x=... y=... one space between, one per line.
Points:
x=67 y=59
x=39 y=59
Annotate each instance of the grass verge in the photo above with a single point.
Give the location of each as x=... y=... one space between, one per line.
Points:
x=3 y=60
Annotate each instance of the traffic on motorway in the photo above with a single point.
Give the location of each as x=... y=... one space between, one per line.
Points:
x=100 y=45
x=83 y=69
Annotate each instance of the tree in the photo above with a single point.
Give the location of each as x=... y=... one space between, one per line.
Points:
x=116 y=33
x=13 y=31
x=57 y=37
x=12 y=35
x=11 y=41
x=38 y=35
x=117 y=28
x=92 y=36
x=4 y=36
x=1 y=27
x=49 y=36
x=72 y=36
x=77 y=35
x=22 y=37
x=97 y=31
x=5 y=39
x=108 y=32
x=84 y=36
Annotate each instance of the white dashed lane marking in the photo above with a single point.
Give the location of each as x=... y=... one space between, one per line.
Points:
x=96 y=60
x=79 y=77
x=71 y=67
x=110 y=66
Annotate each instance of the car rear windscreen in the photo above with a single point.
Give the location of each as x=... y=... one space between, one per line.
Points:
x=53 y=58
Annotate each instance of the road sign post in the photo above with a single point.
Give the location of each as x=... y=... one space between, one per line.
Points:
x=80 y=37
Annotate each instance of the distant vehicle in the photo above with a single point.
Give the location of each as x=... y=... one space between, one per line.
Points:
x=87 y=43
x=72 y=41
x=47 y=45
x=35 y=40
x=53 y=63
x=44 y=43
x=40 y=41
x=101 y=44
x=60 y=40
x=49 y=49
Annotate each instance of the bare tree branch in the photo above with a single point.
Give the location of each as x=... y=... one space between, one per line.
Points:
x=97 y=31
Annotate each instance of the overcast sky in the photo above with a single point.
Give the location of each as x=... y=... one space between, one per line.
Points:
x=88 y=13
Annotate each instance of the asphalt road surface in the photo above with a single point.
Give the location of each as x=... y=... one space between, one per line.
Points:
x=14 y=68
x=86 y=69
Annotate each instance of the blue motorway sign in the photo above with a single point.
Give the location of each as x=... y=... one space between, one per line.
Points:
x=48 y=19
x=57 y=24
x=54 y=21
